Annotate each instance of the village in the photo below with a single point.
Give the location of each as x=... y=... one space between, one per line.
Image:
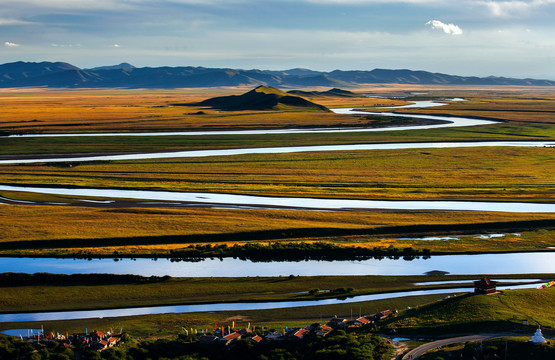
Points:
x=220 y=336
x=226 y=336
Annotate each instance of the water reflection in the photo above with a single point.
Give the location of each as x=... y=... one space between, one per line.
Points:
x=514 y=263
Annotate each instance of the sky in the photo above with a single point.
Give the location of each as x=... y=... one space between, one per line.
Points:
x=513 y=38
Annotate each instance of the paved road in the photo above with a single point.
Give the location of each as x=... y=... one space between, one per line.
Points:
x=416 y=353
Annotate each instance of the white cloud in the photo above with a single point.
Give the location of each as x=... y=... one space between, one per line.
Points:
x=65 y=45
x=8 y=22
x=10 y=44
x=514 y=8
x=446 y=28
x=116 y=45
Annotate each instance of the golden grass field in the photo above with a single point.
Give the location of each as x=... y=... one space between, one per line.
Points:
x=490 y=174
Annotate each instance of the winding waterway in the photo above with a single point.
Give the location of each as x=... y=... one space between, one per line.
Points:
x=233 y=200
x=524 y=263
x=452 y=121
x=85 y=314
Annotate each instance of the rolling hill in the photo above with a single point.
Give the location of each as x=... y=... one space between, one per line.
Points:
x=262 y=98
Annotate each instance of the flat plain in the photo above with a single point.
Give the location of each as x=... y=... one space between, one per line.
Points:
x=33 y=226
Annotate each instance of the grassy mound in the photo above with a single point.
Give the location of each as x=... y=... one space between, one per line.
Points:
x=262 y=98
x=504 y=311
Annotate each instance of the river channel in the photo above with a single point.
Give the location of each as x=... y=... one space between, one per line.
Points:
x=272 y=202
x=508 y=263
x=85 y=314
x=522 y=263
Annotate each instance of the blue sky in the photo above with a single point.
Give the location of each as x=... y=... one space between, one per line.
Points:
x=465 y=37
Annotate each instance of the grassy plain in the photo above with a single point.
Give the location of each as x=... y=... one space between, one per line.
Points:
x=490 y=174
x=516 y=174
x=529 y=113
x=502 y=313
x=62 y=294
x=90 y=231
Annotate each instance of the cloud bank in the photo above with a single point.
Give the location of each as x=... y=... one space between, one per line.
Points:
x=451 y=29
x=10 y=44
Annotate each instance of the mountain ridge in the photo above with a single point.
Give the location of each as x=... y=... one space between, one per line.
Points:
x=125 y=75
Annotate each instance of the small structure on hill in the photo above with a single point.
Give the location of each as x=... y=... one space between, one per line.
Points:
x=485 y=286
x=538 y=337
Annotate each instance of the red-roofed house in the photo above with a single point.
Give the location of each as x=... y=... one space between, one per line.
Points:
x=256 y=339
x=299 y=334
x=228 y=339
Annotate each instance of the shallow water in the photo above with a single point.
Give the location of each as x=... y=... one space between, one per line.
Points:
x=288 y=202
x=285 y=149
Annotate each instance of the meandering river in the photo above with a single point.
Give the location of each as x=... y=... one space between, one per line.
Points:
x=525 y=263
x=85 y=314
x=233 y=200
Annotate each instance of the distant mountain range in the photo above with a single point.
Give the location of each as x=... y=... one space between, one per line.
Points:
x=64 y=75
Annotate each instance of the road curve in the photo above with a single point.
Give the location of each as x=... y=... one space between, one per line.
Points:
x=419 y=351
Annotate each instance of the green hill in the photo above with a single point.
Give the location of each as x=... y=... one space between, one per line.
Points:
x=262 y=98
x=503 y=312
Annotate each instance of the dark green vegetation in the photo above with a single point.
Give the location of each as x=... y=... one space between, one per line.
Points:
x=12 y=348
x=337 y=345
x=510 y=349
x=261 y=98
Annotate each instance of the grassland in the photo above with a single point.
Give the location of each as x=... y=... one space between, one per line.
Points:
x=64 y=294
x=500 y=313
x=517 y=174
x=468 y=313
x=129 y=228
x=474 y=174
x=92 y=231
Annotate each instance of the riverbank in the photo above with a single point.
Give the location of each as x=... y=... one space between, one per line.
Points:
x=489 y=314
x=24 y=293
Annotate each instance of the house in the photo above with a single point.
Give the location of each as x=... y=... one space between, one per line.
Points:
x=244 y=332
x=337 y=323
x=383 y=315
x=274 y=336
x=207 y=339
x=256 y=339
x=230 y=338
x=323 y=330
x=112 y=341
x=363 y=320
x=485 y=286
x=299 y=334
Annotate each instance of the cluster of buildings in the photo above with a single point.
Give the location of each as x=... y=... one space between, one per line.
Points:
x=231 y=335
x=96 y=340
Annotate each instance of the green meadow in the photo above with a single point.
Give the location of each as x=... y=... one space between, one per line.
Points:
x=60 y=292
